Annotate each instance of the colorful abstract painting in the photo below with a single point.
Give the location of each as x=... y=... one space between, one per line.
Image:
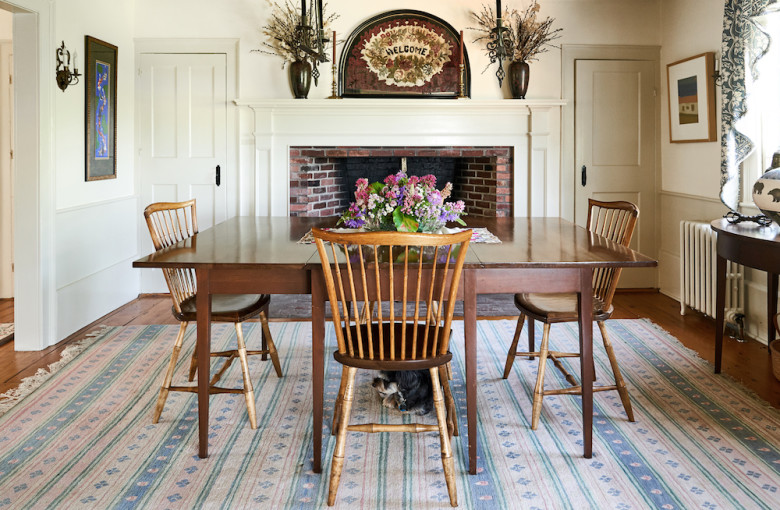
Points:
x=688 y=100
x=102 y=109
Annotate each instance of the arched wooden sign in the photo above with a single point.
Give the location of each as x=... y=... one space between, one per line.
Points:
x=403 y=54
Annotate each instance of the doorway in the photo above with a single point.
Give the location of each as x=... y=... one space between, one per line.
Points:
x=6 y=178
x=611 y=139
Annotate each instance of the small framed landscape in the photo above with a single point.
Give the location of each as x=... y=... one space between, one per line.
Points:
x=100 y=106
x=692 y=99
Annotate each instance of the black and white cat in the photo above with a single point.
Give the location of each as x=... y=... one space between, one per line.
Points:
x=409 y=391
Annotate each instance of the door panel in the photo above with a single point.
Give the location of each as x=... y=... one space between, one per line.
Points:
x=615 y=153
x=182 y=137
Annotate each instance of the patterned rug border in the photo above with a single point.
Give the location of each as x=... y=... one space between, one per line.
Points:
x=695 y=355
x=29 y=385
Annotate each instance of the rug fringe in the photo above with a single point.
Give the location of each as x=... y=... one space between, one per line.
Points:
x=29 y=384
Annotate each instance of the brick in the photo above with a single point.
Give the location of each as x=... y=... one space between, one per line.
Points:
x=313 y=153
x=336 y=153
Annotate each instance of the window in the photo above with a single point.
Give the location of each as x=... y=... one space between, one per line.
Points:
x=763 y=117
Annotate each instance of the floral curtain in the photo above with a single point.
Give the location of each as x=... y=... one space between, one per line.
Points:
x=744 y=43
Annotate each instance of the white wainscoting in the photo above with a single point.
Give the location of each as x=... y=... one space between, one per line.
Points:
x=96 y=246
x=530 y=127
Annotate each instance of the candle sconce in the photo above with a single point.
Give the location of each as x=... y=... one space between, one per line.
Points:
x=499 y=48
x=63 y=74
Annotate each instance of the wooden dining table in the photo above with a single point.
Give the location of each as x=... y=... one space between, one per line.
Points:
x=263 y=255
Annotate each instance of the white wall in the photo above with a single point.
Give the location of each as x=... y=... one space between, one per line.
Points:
x=96 y=222
x=691 y=171
x=261 y=76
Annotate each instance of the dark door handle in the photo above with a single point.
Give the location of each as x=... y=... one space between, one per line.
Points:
x=219 y=175
x=584 y=175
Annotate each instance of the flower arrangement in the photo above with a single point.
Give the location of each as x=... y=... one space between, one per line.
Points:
x=287 y=38
x=526 y=36
x=403 y=203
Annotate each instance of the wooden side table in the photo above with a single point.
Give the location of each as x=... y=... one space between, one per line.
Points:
x=753 y=246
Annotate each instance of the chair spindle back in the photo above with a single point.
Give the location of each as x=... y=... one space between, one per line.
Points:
x=396 y=271
x=169 y=223
x=615 y=221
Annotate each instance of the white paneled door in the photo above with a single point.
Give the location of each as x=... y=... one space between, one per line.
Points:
x=182 y=136
x=615 y=151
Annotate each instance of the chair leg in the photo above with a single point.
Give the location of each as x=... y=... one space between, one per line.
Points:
x=268 y=343
x=341 y=439
x=165 y=388
x=621 y=385
x=531 y=336
x=249 y=392
x=449 y=402
x=510 y=357
x=337 y=407
x=193 y=365
x=539 y=388
x=447 y=462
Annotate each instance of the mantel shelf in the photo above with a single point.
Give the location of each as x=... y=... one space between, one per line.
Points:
x=459 y=105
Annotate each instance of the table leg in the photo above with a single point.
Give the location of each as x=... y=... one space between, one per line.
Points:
x=317 y=363
x=470 y=341
x=585 y=300
x=720 y=305
x=771 y=304
x=203 y=346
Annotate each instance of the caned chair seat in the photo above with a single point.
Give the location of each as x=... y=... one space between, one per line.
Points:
x=614 y=221
x=404 y=324
x=169 y=223
x=560 y=307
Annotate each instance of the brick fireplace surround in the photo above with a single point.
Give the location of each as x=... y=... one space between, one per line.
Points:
x=483 y=177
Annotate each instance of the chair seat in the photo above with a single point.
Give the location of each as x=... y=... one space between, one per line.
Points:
x=393 y=359
x=226 y=307
x=552 y=308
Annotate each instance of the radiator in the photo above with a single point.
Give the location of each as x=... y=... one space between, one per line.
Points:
x=698 y=267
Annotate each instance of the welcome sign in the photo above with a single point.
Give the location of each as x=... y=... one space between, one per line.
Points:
x=402 y=54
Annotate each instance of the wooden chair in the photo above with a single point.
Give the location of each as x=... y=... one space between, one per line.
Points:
x=614 y=221
x=426 y=268
x=169 y=223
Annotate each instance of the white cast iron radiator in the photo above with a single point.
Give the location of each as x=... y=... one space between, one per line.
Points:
x=697 y=274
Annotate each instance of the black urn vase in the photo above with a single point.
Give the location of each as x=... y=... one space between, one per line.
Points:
x=300 y=78
x=518 y=79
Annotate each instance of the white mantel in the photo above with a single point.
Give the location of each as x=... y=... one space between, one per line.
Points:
x=531 y=127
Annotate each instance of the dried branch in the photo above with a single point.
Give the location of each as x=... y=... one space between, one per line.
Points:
x=286 y=39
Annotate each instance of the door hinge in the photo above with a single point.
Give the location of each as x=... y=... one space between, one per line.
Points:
x=140 y=71
x=12 y=154
x=655 y=92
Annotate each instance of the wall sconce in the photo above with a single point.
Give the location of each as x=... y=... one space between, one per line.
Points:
x=64 y=76
x=716 y=74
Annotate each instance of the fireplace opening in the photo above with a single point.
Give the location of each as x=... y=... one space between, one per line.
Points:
x=322 y=179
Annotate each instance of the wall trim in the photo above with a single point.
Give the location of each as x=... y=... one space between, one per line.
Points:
x=686 y=196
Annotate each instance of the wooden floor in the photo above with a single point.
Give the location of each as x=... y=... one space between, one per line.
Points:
x=746 y=362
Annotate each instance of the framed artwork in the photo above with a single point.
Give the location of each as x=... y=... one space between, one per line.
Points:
x=100 y=105
x=691 y=84
x=404 y=54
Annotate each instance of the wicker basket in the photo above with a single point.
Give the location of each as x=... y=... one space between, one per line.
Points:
x=774 y=349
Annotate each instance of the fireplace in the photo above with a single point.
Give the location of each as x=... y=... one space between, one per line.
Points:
x=507 y=151
x=322 y=179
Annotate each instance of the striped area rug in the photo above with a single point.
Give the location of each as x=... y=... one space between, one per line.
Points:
x=85 y=439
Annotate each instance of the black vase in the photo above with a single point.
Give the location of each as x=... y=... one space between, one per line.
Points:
x=518 y=79
x=300 y=78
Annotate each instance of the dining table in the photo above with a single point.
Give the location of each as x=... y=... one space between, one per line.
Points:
x=255 y=254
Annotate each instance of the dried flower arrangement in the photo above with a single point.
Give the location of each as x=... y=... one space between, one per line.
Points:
x=286 y=39
x=525 y=37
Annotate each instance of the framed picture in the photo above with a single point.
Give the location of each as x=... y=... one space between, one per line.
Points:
x=100 y=105
x=692 y=99
x=406 y=54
